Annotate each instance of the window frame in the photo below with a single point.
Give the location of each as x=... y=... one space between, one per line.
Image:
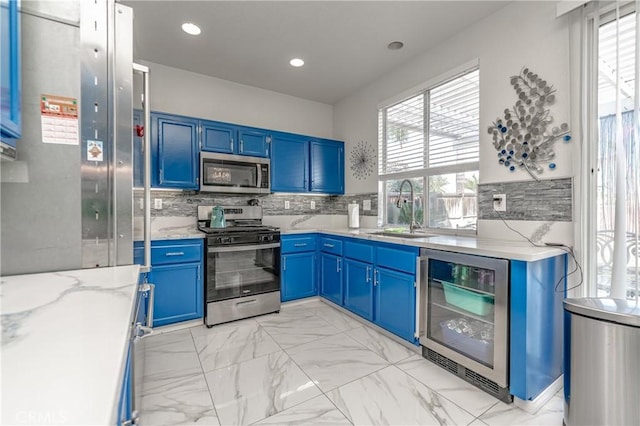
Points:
x=426 y=172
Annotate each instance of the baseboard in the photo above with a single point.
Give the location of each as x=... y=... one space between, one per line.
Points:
x=536 y=404
x=178 y=326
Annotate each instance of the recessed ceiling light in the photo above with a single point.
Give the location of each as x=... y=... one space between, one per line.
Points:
x=395 y=45
x=296 y=62
x=191 y=28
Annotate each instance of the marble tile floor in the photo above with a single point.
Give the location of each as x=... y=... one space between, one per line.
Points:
x=309 y=365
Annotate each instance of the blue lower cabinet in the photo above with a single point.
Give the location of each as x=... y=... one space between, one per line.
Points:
x=331 y=277
x=178 y=293
x=358 y=288
x=298 y=275
x=395 y=302
x=177 y=272
x=125 y=402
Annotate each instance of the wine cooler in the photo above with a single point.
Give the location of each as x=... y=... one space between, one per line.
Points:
x=465 y=317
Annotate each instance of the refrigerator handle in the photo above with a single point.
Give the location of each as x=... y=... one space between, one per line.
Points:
x=147 y=165
x=420 y=286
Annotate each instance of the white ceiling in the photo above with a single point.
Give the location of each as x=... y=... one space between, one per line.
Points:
x=344 y=43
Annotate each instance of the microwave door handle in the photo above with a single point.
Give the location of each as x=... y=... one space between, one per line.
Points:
x=258 y=168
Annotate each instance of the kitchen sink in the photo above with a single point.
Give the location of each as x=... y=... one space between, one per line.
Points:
x=401 y=234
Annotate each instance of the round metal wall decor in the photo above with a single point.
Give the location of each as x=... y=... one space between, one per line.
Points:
x=362 y=160
x=525 y=136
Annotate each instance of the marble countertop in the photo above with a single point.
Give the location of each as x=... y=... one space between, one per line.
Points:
x=514 y=250
x=168 y=228
x=64 y=343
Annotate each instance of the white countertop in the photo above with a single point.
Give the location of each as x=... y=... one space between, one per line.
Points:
x=514 y=250
x=64 y=341
x=168 y=228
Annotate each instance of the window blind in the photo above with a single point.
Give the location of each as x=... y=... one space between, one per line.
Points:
x=451 y=137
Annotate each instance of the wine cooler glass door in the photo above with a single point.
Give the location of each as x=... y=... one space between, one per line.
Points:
x=466 y=311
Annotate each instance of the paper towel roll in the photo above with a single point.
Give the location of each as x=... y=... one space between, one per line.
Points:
x=353 y=211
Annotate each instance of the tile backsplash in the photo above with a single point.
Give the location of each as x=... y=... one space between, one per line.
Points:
x=544 y=200
x=185 y=203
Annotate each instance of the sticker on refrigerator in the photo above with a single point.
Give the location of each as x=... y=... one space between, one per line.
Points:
x=59 y=116
x=95 y=151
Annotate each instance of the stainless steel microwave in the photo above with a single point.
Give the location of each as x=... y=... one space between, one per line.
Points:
x=238 y=174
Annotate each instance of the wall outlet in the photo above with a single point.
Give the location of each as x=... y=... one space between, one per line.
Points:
x=313 y=205
x=287 y=206
x=500 y=202
x=366 y=205
x=157 y=203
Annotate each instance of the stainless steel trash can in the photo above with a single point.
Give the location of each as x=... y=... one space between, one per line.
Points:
x=602 y=362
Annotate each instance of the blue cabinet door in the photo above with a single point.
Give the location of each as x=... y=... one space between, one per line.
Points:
x=253 y=142
x=138 y=150
x=298 y=272
x=327 y=167
x=289 y=163
x=358 y=288
x=218 y=137
x=178 y=293
x=125 y=402
x=395 y=302
x=176 y=159
x=331 y=277
x=10 y=85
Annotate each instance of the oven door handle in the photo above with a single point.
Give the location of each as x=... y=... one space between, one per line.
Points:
x=227 y=249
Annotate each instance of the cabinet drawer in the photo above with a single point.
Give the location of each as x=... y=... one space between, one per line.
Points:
x=176 y=253
x=395 y=258
x=359 y=251
x=331 y=245
x=297 y=244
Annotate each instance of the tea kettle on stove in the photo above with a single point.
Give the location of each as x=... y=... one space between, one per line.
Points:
x=217 y=217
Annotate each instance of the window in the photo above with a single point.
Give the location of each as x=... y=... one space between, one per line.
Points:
x=432 y=139
x=613 y=205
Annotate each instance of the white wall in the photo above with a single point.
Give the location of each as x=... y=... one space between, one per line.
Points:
x=182 y=92
x=522 y=33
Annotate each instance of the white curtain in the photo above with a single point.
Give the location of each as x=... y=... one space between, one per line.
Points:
x=609 y=182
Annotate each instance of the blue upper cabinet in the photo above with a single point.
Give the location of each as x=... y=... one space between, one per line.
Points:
x=231 y=139
x=253 y=142
x=174 y=150
x=327 y=167
x=218 y=137
x=302 y=165
x=10 y=118
x=138 y=151
x=289 y=163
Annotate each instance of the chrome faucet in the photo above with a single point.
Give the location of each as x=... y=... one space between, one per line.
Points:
x=412 y=224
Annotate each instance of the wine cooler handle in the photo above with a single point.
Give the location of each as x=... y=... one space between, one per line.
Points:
x=420 y=276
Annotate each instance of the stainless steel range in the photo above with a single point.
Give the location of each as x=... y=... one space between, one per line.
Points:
x=242 y=277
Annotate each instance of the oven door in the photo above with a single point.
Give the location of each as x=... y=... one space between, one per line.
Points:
x=237 y=271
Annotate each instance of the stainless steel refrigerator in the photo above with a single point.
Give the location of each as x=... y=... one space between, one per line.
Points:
x=68 y=206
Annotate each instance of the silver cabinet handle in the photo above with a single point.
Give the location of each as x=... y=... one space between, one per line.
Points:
x=329 y=245
x=284 y=263
x=231 y=144
x=338 y=265
x=368 y=277
x=420 y=262
x=174 y=253
x=241 y=145
x=300 y=245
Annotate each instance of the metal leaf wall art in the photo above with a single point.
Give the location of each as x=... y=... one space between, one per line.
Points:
x=525 y=136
